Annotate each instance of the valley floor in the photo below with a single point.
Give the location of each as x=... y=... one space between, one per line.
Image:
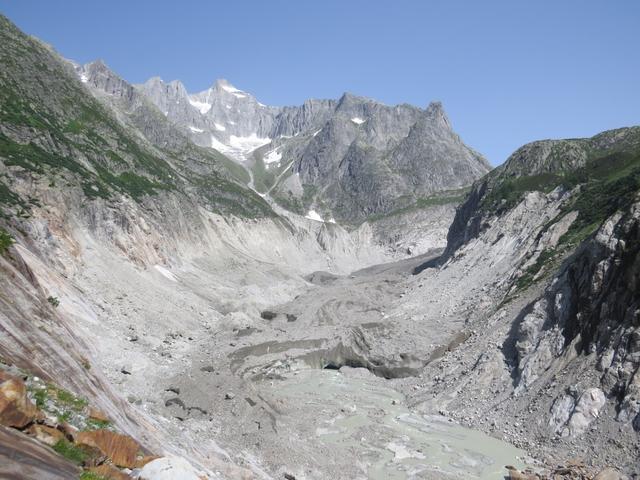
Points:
x=261 y=380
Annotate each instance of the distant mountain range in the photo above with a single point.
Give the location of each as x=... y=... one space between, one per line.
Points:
x=347 y=159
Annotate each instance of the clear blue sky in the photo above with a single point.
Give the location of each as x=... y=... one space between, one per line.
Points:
x=508 y=72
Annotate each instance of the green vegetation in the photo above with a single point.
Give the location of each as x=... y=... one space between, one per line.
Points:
x=58 y=402
x=604 y=185
x=610 y=191
x=227 y=197
x=441 y=198
x=263 y=177
x=75 y=141
x=542 y=262
x=70 y=451
x=68 y=399
x=93 y=424
x=508 y=193
x=54 y=301
x=237 y=171
x=6 y=241
x=92 y=476
x=599 y=173
x=299 y=205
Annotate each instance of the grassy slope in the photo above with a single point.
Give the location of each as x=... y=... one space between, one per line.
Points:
x=53 y=128
x=609 y=181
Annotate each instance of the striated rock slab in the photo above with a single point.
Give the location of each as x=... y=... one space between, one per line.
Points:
x=23 y=457
x=121 y=449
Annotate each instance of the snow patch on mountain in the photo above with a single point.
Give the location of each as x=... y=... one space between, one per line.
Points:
x=272 y=156
x=229 y=88
x=313 y=215
x=196 y=129
x=201 y=106
x=247 y=144
x=358 y=120
x=218 y=145
x=220 y=128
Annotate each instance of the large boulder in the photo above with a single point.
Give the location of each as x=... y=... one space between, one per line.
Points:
x=109 y=472
x=169 y=468
x=16 y=410
x=586 y=411
x=610 y=474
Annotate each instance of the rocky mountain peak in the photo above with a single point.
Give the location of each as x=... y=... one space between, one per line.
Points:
x=100 y=76
x=348 y=100
x=435 y=112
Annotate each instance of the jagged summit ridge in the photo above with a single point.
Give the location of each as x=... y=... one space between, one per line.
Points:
x=348 y=158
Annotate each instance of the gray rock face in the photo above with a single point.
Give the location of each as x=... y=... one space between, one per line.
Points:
x=348 y=159
x=557 y=238
x=536 y=166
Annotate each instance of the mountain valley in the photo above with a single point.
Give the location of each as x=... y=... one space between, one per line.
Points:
x=342 y=289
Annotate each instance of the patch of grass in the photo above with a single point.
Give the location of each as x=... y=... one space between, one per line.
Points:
x=442 y=198
x=74 y=126
x=263 y=177
x=598 y=200
x=543 y=260
x=6 y=241
x=92 y=476
x=8 y=197
x=68 y=399
x=508 y=193
x=227 y=197
x=70 y=451
x=136 y=185
x=41 y=396
x=93 y=424
x=606 y=185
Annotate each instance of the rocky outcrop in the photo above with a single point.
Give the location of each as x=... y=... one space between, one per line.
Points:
x=24 y=457
x=16 y=410
x=591 y=308
x=550 y=242
x=539 y=166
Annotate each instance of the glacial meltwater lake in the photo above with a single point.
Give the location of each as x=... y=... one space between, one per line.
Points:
x=368 y=421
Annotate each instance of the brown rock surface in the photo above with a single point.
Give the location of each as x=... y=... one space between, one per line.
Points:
x=23 y=457
x=16 y=410
x=121 y=449
x=47 y=435
x=95 y=414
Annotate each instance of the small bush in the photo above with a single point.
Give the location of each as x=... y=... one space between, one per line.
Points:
x=6 y=241
x=70 y=451
x=54 y=301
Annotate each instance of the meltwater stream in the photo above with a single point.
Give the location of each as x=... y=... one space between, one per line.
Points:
x=367 y=421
